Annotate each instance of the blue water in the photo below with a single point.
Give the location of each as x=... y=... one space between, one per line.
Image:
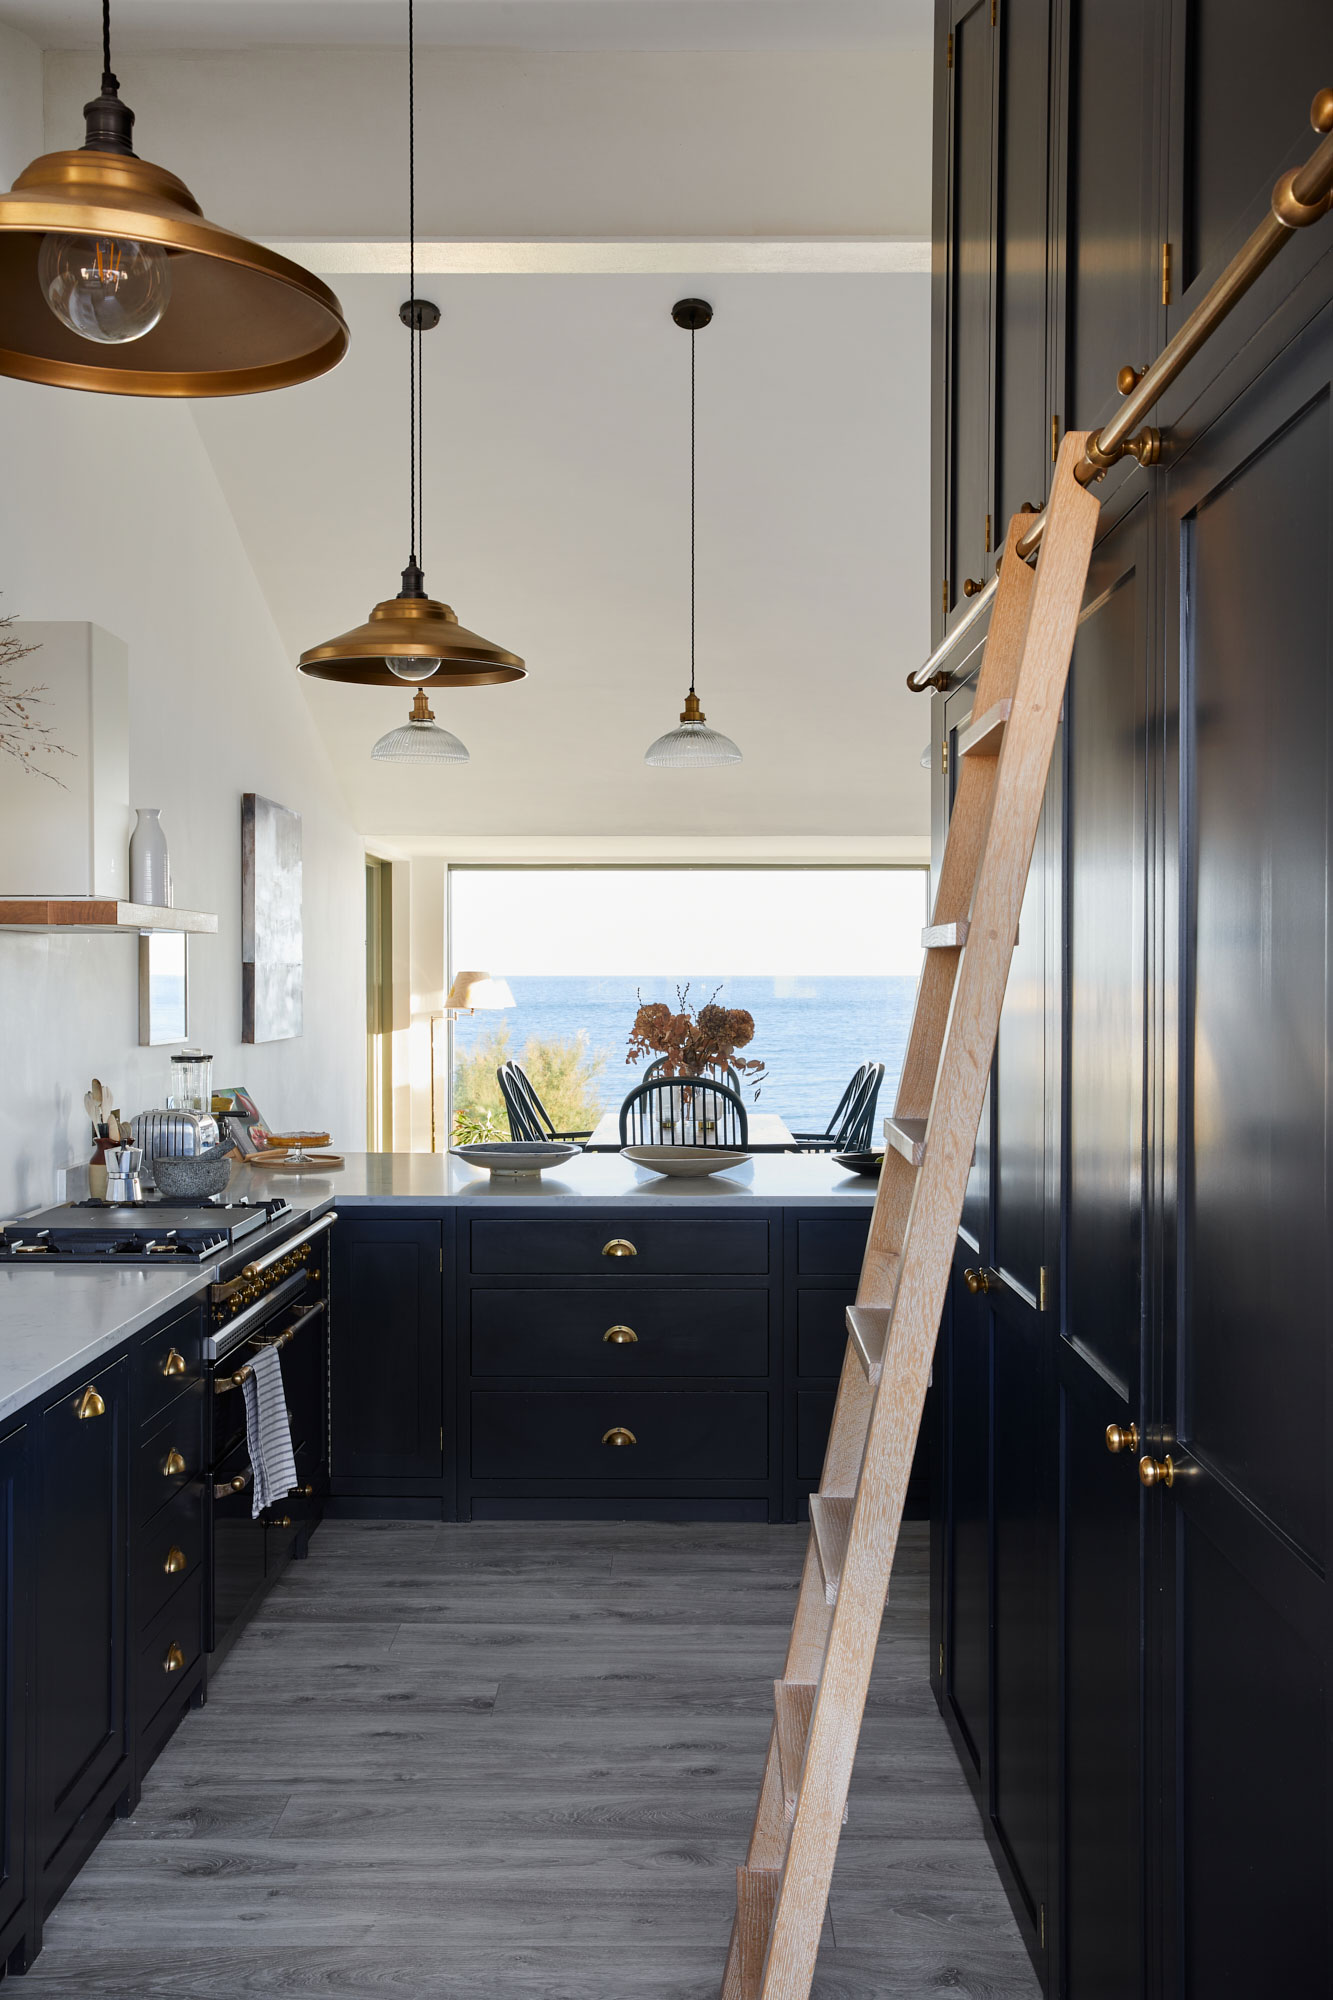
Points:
x=811 y=1033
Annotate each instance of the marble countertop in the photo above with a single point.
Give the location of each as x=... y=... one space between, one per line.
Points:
x=55 y=1322
x=435 y=1180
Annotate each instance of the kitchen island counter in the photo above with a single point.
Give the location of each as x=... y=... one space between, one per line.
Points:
x=56 y=1322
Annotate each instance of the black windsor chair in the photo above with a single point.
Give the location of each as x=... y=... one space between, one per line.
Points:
x=683 y=1111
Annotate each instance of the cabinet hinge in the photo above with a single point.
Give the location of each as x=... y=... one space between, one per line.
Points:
x=941 y=1659
x=944 y=597
x=1041 y=1924
x=441 y=1260
x=1166 y=274
x=948 y=53
x=441 y=1437
x=987 y=550
x=1055 y=435
x=1044 y=1289
x=994 y=11
x=944 y=758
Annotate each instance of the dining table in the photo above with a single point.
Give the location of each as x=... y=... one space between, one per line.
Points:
x=767 y=1132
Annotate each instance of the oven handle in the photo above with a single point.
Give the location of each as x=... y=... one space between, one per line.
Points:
x=221 y=1383
x=292 y=1243
x=224 y=1488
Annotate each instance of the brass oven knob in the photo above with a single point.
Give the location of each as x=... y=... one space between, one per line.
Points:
x=174 y=1660
x=172 y=1464
x=1122 y=1440
x=175 y=1561
x=619 y=1336
x=90 y=1404
x=174 y=1363
x=618 y=1435
x=619 y=1246
x=1157 y=1471
x=978 y=1281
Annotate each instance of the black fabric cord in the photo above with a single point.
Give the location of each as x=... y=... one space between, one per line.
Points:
x=692 y=482
x=413 y=346
x=109 y=82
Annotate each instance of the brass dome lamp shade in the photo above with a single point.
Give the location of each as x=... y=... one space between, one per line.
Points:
x=112 y=279
x=413 y=637
x=692 y=745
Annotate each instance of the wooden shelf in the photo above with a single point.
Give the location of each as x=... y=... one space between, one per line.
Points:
x=95 y=913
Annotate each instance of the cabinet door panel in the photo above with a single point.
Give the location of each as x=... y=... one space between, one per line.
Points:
x=1022 y=407
x=387 y=1351
x=970 y=286
x=967 y=1649
x=15 y=1573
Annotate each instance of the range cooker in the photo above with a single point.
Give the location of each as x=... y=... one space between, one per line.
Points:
x=269 y=1287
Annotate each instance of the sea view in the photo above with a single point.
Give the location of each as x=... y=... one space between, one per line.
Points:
x=810 y=1032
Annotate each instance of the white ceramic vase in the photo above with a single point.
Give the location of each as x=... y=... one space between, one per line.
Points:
x=150 y=871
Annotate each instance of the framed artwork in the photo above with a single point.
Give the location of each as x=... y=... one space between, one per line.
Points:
x=163 y=988
x=271 y=935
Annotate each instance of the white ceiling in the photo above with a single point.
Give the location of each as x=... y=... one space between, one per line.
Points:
x=556 y=524
x=516 y=24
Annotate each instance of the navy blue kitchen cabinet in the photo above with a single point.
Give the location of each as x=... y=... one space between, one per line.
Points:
x=15 y=1692
x=388 y=1435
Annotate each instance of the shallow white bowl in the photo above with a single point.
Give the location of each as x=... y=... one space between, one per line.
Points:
x=688 y=1162
x=516 y=1158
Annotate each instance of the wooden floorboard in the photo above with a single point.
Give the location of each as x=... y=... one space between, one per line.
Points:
x=518 y=1763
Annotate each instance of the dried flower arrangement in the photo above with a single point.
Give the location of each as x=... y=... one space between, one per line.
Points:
x=693 y=1042
x=21 y=736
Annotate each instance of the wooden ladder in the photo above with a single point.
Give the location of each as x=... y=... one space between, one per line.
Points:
x=1004 y=758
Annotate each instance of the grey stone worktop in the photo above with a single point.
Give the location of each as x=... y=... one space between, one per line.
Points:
x=435 y=1180
x=56 y=1322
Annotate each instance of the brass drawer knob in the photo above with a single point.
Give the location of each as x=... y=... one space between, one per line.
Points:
x=1122 y=1440
x=174 y=1363
x=174 y=1660
x=175 y=1561
x=172 y=1464
x=619 y=1247
x=1157 y=1471
x=618 y=1435
x=978 y=1281
x=90 y=1404
x=619 y=1336
x=972 y=586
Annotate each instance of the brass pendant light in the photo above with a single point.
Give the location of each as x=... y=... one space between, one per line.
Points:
x=111 y=279
x=692 y=745
x=413 y=637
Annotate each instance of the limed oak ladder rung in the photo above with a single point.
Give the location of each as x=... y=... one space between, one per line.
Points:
x=856 y=1515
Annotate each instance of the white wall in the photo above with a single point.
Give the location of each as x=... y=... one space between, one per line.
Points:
x=20 y=103
x=311 y=142
x=110 y=511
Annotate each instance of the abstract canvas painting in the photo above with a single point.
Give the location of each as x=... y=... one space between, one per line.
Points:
x=271 y=938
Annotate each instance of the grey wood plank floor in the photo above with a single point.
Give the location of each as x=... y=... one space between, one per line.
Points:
x=518 y=1762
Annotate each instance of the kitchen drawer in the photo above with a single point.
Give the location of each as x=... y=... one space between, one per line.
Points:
x=821 y=1329
x=558 y=1434
x=831 y=1246
x=168 y=1360
x=174 y=1536
x=171 y=1456
x=170 y=1648
x=681 y=1246
x=565 y=1333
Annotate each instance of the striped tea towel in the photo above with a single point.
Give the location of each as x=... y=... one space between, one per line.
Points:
x=267 y=1431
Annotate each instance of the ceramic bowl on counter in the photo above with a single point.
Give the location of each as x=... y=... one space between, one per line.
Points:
x=685 y=1162
x=516 y=1159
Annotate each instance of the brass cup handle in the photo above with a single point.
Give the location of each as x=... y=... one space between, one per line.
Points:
x=972 y=587
x=90 y=1404
x=1157 y=1471
x=174 y=1660
x=1123 y=1440
x=618 y=1435
x=619 y=1336
x=619 y=1247
x=175 y=1561
x=174 y=1363
x=979 y=1281
x=173 y=1464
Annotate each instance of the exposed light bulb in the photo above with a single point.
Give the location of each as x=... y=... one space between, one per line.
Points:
x=413 y=670
x=104 y=288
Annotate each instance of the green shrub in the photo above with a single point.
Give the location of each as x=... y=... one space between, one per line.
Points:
x=566 y=1075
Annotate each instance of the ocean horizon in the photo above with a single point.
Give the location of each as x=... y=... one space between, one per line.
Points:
x=811 y=1032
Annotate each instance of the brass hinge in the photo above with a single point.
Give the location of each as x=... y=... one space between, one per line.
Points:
x=944 y=597
x=987 y=551
x=944 y=758
x=1055 y=435
x=1166 y=274
x=441 y=1437
x=941 y=1659
x=441 y=1259
x=1044 y=1289
x=948 y=53
x=994 y=10
x=1041 y=1924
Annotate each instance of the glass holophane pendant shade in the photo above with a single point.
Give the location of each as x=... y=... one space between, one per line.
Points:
x=111 y=279
x=694 y=744
x=420 y=740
